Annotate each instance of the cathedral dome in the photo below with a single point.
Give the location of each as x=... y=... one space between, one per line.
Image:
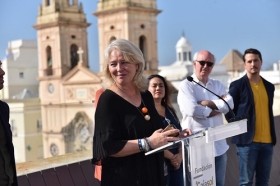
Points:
x=183 y=42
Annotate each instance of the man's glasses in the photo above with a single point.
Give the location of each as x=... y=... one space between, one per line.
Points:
x=208 y=63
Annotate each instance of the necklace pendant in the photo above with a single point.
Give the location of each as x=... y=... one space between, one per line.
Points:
x=144 y=110
x=147 y=117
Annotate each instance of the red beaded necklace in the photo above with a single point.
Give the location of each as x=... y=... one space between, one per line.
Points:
x=144 y=110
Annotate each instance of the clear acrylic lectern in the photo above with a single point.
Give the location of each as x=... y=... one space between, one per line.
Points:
x=198 y=151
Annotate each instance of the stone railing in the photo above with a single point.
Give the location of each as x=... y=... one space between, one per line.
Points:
x=47 y=163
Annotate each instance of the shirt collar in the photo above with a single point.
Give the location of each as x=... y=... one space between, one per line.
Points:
x=197 y=80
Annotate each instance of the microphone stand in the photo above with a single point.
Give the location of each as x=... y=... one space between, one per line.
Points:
x=230 y=110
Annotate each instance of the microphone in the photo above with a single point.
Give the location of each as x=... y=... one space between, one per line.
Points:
x=230 y=110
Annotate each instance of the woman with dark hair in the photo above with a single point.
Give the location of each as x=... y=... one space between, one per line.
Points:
x=173 y=157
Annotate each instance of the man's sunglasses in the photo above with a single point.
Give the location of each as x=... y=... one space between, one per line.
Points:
x=208 y=63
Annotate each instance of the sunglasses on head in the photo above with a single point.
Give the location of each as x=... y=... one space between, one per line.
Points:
x=208 y=63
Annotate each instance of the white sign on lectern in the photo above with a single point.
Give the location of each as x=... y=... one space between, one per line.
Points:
x=200 y=163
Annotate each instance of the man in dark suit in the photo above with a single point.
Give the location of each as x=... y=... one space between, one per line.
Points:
x=8 y=175
x=253 y=96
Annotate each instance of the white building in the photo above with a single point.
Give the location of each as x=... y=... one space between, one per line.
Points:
x=273 y=75
x=21 y=93
x=183 y=66
x=21 y=68
x=26 y=126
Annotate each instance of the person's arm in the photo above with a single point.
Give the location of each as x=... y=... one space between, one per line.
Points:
x=188 y=103
x=213 y=113
x=222 y=107
x=108 y=129
x=176 y=159
x=131 y=147
x=168 y=154
x=208 y=103
x=212 y=103
x=157 y=139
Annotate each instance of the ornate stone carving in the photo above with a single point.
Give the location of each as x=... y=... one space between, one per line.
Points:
x=78 y=133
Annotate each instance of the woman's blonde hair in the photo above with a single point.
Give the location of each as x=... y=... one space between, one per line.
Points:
x=131 y=53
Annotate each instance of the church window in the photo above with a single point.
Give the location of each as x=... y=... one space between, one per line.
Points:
x=70 y=2
x=112 y=39
x=112 y=27
x=74 y=55
x=142 y=26
x=185 y=56
x=48 y=2
x=190 y=56
x=143 y=48
x=73 y=37
x=39 y=125
x=179 y=56
x=49 y=60
x=21 y=75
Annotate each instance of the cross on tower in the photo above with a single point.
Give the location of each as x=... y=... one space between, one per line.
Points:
x=80 y=53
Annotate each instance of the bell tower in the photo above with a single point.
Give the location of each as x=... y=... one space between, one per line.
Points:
x=134 y=20
x=66 y=82
x=61 y=29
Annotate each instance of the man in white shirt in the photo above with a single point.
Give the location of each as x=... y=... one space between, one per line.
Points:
x=202 y=109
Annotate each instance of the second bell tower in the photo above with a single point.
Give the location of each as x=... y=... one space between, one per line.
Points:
x=134 y=20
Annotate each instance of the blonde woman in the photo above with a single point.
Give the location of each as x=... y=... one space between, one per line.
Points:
x=127 y=123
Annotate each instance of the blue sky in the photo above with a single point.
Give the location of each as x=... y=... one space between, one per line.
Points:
x=215 y=25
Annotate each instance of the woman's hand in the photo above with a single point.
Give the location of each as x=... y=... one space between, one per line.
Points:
x=159 y=138
x=185 y=133
x=176 y=161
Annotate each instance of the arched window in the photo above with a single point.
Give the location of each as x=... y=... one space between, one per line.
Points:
x=74 y=55
x=112 y=39
x=185 y=56
x=48 y=2
x=49 y=56
x=71 y=2
x=49 y=61
x=190 y=56
x=143 y=48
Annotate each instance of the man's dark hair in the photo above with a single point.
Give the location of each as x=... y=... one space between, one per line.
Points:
x=252 y=51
